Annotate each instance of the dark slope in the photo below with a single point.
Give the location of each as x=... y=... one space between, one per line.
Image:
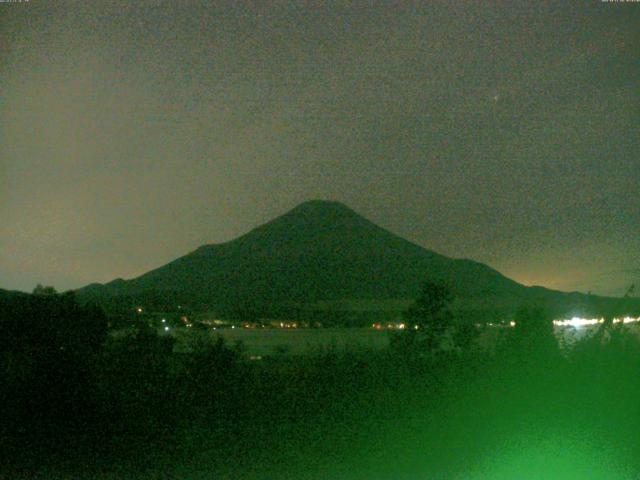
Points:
x=11 y=294
x=320 y=250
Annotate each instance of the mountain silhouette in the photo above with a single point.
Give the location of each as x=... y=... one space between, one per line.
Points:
x=321 y=252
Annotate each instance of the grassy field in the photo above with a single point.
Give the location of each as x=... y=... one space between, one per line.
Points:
x=297 y=341
x=264 y=342
x=134 y=406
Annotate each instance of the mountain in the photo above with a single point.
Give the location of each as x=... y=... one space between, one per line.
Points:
x=11 y=294
x=320 y=255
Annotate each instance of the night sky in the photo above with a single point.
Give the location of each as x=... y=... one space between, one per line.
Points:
x=133 y=132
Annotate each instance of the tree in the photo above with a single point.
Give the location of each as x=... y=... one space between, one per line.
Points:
x=532 y=340
x=465 y=334
x=430 y=313
x=46 y=291
x=48 y=346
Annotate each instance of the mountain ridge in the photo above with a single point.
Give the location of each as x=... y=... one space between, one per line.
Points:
x=319 y=251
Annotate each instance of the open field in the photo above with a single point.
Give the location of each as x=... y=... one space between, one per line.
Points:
x=302 y=340
x=263 y=342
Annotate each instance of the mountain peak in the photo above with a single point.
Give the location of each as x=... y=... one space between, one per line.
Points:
x=322 y=206
x=325 y=213
x=307 y=219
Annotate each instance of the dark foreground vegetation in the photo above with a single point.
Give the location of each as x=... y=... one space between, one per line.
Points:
x=78 y=402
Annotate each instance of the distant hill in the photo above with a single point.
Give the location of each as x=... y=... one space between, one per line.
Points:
x=11 y=294
x=321 y=255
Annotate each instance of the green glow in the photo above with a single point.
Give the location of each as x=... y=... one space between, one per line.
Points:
x=556 y=457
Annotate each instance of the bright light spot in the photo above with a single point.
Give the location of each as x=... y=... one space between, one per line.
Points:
x=512 y=323
x=139 y=309
x=578 y=322
x=164 y=320
x=233 y=326
x=401 y=326
x=166 y=329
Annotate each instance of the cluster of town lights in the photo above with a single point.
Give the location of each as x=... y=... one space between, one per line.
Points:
x=392 y=326
x=577 y=322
